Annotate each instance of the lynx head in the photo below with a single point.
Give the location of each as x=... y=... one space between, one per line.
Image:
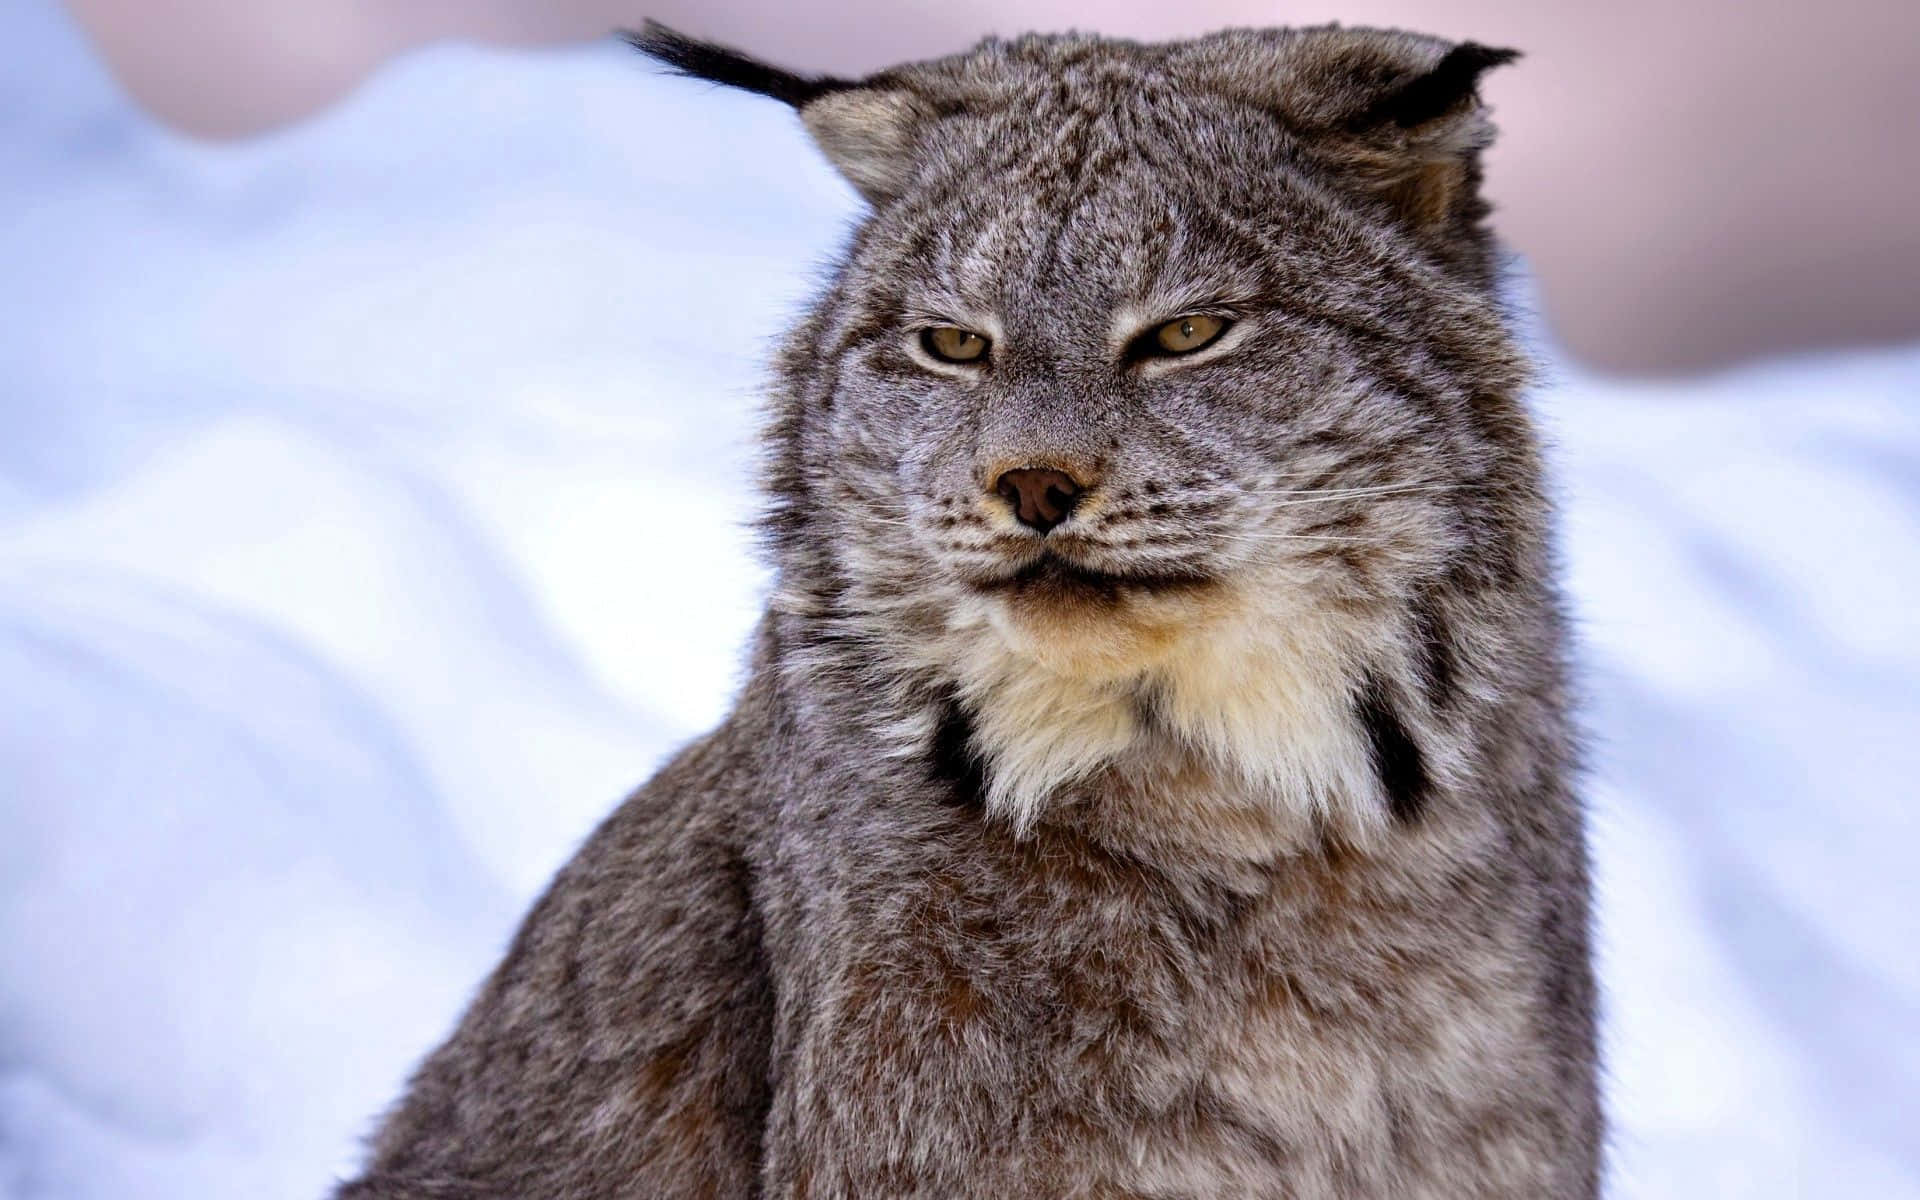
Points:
x=1160 y=409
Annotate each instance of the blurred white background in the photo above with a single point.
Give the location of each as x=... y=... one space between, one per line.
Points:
x=372 y=516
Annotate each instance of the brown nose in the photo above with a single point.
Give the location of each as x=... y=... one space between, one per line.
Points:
x=1041 y=496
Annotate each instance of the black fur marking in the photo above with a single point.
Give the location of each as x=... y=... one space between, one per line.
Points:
x=1438 y=92
x=1401 y=766
x=717 y=64
x=1438 y=670
x=953 y=759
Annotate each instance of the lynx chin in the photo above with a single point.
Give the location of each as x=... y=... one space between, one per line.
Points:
x=1155 y=775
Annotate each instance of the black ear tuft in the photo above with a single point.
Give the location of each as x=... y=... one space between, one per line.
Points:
x=704 y=60
x=1438 y=92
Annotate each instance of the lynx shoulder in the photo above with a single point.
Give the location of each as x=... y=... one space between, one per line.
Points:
x=1155 y=777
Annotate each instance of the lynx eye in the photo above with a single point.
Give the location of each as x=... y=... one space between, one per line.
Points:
x=950 y=343
x=1184 y=335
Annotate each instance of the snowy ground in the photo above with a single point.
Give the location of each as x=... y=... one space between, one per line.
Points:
x=370 y=520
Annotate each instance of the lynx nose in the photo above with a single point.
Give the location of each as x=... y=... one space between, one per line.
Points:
x=1041 y=496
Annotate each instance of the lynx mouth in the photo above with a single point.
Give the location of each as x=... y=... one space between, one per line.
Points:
x=1053 y=578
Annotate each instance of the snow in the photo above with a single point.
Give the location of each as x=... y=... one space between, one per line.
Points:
x=372 y=504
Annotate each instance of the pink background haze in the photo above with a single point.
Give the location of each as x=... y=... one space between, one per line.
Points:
x=1694 y=183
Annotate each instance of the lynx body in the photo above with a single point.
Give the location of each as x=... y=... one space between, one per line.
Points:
x=1154 y=776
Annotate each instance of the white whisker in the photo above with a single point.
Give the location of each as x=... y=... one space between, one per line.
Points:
x=1310 y=537
x=1388 y=489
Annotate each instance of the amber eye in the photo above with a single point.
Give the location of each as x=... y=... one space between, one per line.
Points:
x=1184 y=335
x=950 y=343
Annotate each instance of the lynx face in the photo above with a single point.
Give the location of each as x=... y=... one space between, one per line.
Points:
x=1076 y=472
x=1159 y=387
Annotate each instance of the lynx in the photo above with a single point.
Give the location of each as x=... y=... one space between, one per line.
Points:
x=1155 y=775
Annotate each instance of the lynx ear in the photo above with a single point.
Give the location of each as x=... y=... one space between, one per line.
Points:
x=869 y=134
x=1444 y=95
x=1391 y=114
x=866 y=130
x=1417 y=144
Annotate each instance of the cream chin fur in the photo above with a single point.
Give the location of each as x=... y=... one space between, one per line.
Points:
x=1259 y=693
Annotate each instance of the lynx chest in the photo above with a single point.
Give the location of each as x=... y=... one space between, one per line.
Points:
x=1082 y=1026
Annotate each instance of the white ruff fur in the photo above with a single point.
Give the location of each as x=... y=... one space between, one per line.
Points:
x=1260 y=693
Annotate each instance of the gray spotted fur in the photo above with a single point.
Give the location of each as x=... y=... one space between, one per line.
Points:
x=830 y=952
